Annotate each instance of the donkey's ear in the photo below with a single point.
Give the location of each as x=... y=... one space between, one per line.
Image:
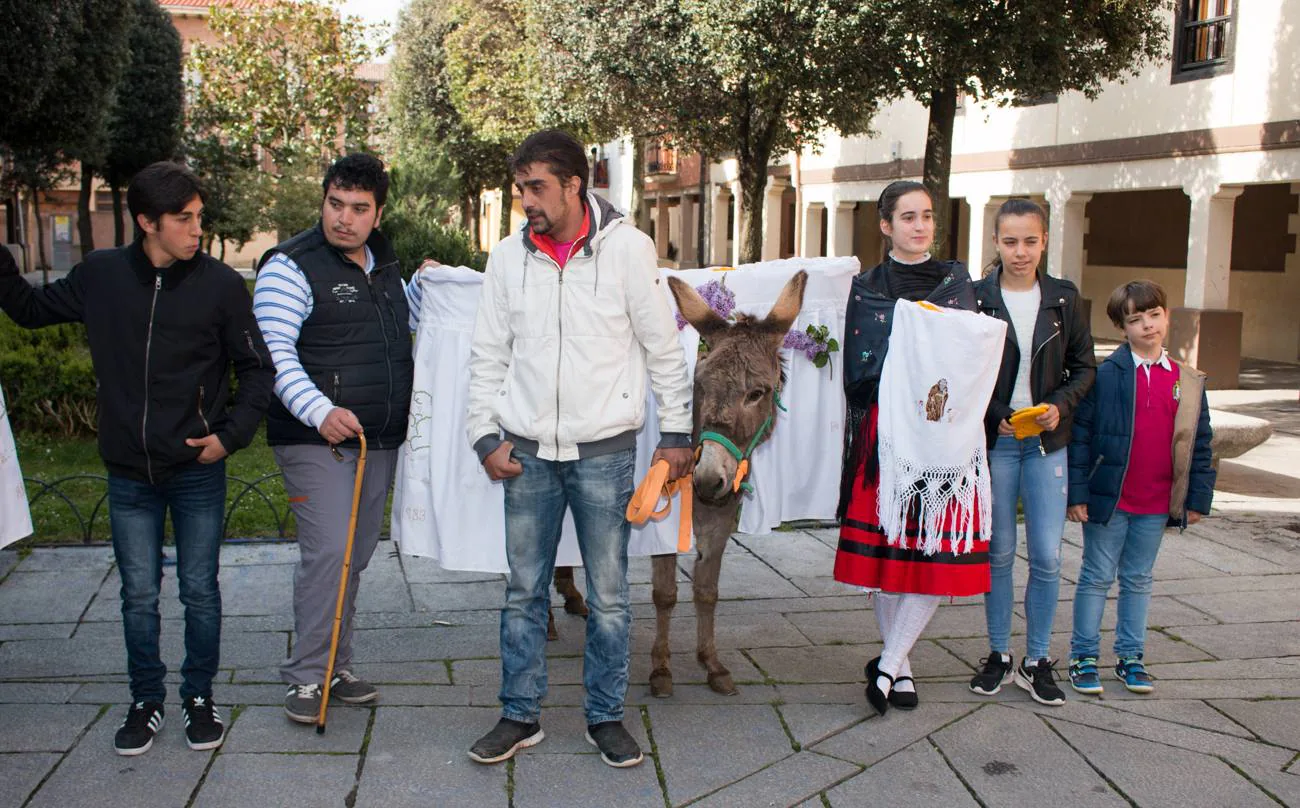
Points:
x=694 y=308
x=786 y=309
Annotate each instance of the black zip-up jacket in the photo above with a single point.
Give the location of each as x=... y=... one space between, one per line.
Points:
x=162 y=342
x=1062 y=366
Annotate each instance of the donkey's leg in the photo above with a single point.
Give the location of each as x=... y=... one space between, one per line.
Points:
x=664 y=580
x=713 y=527
x=573 y=602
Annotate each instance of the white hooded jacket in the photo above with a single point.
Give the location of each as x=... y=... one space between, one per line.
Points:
x=559 y=358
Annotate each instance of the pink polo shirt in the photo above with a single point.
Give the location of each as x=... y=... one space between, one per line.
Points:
x=1150 y=474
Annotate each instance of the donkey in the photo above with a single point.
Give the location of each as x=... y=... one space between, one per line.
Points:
x=736 y=387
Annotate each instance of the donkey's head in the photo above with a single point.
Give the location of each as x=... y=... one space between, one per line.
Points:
x=736 y=383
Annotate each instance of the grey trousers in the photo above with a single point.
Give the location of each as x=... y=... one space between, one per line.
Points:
x=320 y=493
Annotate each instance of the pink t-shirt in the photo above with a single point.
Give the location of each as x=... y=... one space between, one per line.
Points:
x=1150 y=474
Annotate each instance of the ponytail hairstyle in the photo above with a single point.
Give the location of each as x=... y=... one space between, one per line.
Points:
x=1016 y=206
x=889 y=201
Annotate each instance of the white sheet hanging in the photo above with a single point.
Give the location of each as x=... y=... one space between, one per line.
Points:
x=15 y=519
x=444 y=506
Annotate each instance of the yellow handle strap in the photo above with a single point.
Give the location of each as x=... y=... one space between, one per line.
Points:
x=645 y=501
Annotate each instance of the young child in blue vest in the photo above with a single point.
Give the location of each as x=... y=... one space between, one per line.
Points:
x=1139 y=463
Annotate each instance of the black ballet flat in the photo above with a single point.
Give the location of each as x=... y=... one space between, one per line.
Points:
x=875 y=696
x=902 y=699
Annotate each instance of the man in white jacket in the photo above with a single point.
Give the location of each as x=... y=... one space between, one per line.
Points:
x=570 y=320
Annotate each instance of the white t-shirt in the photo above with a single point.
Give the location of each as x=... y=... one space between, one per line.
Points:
x=1023 y=308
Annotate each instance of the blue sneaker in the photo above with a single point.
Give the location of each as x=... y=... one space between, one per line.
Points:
x=1084 y=677
x=1133 y=674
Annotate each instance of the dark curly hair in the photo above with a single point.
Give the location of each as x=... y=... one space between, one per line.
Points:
x=562 y=153
x=358 y=172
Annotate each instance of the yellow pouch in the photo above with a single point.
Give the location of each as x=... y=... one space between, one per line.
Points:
x=1022 y=421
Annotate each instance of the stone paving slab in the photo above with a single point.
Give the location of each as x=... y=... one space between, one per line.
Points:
x=1223 y=583
x=581 y=781
x=1184 y=711
x=979 y=747
x=1171 y=734
x=417 y=757
x=1259 y=607
x=687 y=735
x=878 y=737
x=788 y=781
x=35 y=692
x=737 y=631
x=1229 y=669
x=1182 y=779
x=8 y=560
x=916 y=777
x=746 y=576
x=1274 y=721
x=268 y=729
x=792 y=554
x=23 y=772
x=278 y=781
x=43 y=727
x=36 y=631
x=60 y=559
x=845 y=663
x=55 y=596
x=1265 y=640
x=163 y=777
x=811 y=723
x=443 y=597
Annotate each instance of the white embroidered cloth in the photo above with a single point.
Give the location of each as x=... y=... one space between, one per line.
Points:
x=934 y=389
x=15 y=520
x=445 y=507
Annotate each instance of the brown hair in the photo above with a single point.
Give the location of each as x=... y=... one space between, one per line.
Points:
x=1132 y=297
x=1016 y=206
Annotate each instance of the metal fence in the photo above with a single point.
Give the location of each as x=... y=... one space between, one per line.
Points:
x=56 y=490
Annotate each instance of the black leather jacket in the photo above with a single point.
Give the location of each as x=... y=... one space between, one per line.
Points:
x=1063 y=365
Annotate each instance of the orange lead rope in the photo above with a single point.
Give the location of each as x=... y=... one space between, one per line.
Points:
x=656 y=485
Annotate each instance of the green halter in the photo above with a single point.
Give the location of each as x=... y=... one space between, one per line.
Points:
x=734 y=450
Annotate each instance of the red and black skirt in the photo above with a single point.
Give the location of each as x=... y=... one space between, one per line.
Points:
x=865 y=558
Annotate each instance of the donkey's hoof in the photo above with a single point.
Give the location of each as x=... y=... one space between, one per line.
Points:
x=720 y=682
x=575 y=605
x=661 y=683
x=552 y=633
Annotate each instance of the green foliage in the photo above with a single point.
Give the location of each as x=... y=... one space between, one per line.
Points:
x=282 y=79
x=48 y=379
x=417 y=232
x=293 y=202
x=233 y=188
x=751 y=78
x=144 y=122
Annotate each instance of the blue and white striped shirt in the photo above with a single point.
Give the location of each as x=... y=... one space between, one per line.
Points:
x=282 y=301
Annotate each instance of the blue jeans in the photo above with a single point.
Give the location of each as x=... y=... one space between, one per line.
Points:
x=1020 y=472
x=196 y=498
x=597 y=490
x=1127 y=546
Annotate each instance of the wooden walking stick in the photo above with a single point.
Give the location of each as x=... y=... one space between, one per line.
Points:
x=343 y=583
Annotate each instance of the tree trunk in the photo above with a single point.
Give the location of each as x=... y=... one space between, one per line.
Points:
x=40 y=236
x=638 y=185
x=475 y=211
x=938 y=162
x=223 y=251
x=466 y=212
x=507 y=207
x=753 y=185
x=85 y=227
x=119 y=229
x=704 y=228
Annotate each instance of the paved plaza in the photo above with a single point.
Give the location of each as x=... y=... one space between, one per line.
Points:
x=1222 y=728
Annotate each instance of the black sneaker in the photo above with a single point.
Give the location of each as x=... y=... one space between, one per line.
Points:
x=996 y=672
x=143 y=721
x=506 y=738
x=1040 y=680
x=351 y=689
x=203 y=727
x=616 y=745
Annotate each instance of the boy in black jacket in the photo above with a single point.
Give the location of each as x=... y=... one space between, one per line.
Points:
x=165 y=324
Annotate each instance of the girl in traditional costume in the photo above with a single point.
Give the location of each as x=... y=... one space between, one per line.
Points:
x=914 y=491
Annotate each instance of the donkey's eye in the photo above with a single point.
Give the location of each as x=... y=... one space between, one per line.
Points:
x=755 y=396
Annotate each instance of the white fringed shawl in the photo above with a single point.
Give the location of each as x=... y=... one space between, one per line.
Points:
x=935 y=386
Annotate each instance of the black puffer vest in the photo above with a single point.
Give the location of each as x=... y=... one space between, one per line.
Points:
x=356 y=343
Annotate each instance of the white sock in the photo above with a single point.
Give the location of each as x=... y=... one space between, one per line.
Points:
x=886 y=606
x=912 y=615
